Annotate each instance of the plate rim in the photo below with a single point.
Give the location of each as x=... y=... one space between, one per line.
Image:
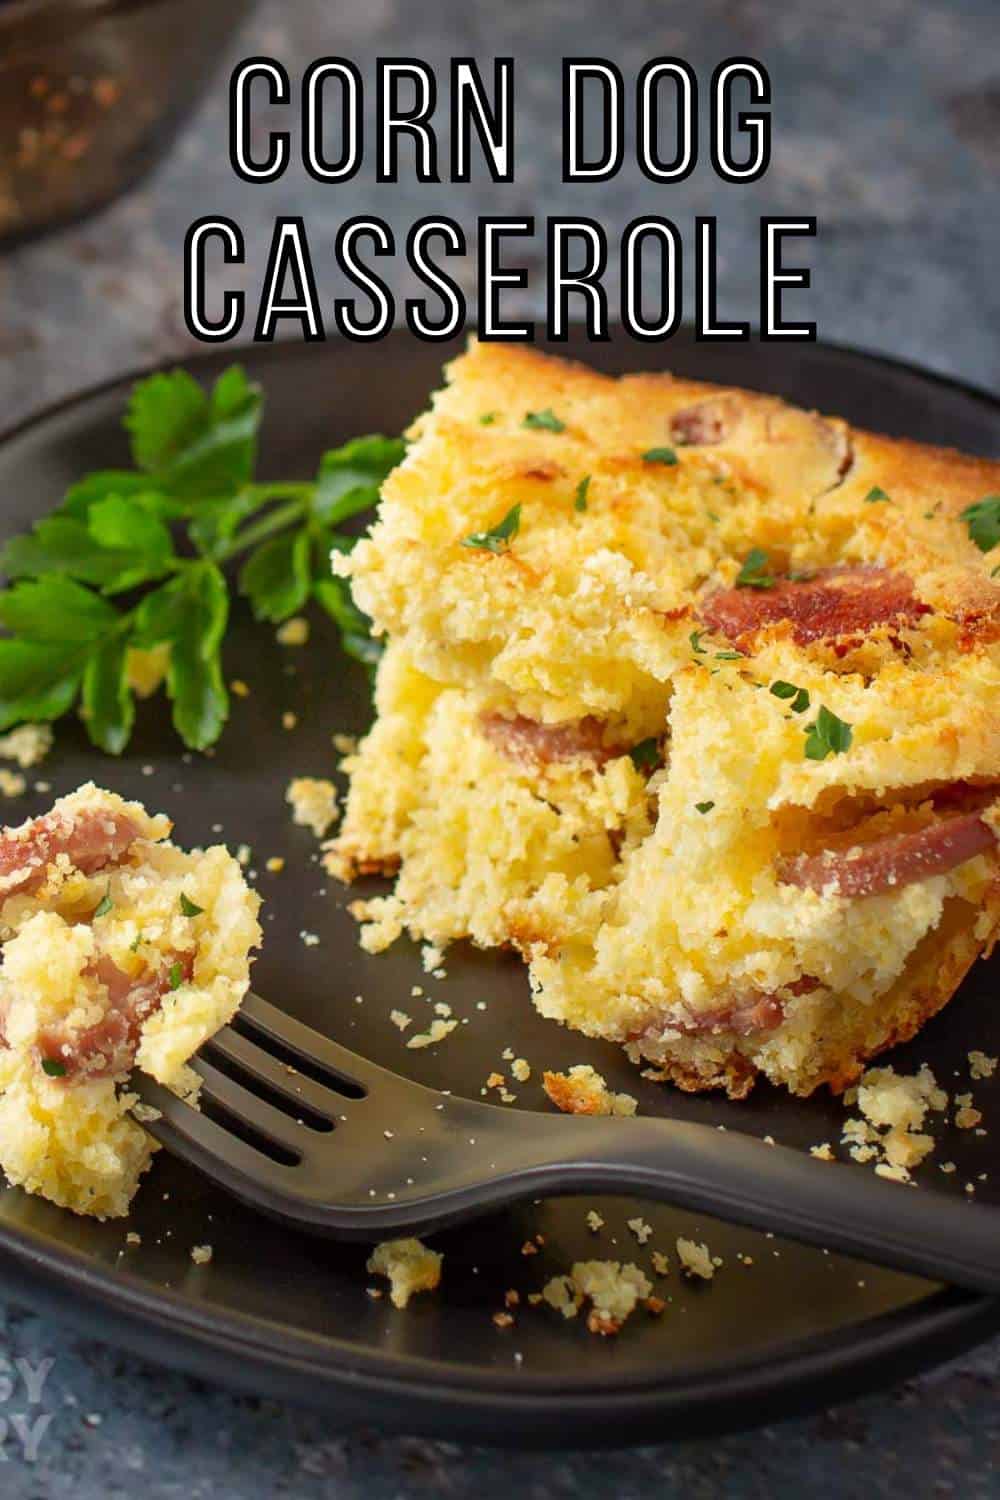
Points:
x=437 y=1396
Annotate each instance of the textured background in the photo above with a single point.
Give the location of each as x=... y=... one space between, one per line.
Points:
x=886 y=127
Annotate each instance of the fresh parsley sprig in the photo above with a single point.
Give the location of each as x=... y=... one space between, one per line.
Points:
x=157 y=537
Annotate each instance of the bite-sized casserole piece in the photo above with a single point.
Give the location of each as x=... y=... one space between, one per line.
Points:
x=692 y=697
x=119 y=951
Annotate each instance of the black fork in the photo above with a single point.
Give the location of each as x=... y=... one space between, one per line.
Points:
x=314 y=1135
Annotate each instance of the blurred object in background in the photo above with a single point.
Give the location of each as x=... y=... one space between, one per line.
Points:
x=91 y=92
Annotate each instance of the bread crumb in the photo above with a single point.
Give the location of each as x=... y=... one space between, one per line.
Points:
x=612 y=1289
x=313 y=801
x=294 y=632
x=345 y=744
x=967 y=1117
x=582 y=1091
x=640 y=1229
x=201 y=1254
x=521 y=1069
x=594 y=1221
x=503 y=1320
x=695 y=1259
x=400 y=1018
x=288 y=719
x=981 y=1066
x=431 y=958
x=895 y=1107
x=29 y=744
x=661 y=1265
x=309 y=939
x=408 y=1265
x=512 y=1297
x=893 y=1173
x=822 y=1153
x=275 y=864
x=436 y=1032
x=132 y=1238
x=239 y=688
x=12 y=783
x=528 y=1248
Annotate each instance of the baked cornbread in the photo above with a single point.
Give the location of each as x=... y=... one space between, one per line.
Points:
x=119 y=949
x=691 y=697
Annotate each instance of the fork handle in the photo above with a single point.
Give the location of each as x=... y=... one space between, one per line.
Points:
x=739 y=1178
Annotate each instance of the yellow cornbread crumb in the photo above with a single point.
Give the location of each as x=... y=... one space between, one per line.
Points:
x=28 y=744
x=294 y=632
x=201 y=1254
x=582 y=1091
x=145 y=670
x=436 y=1032
x=894 y=1107
x=695 y=1259
x=313 y=801
x=12 y=783
x=612 y=1289
x=409 y=1267
x=980 y=1065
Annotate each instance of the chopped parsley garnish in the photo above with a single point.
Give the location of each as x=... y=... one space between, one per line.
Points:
x=487 y=419
x=983 y=521
x=753 y=574
x=712 y=516
x=695 y=639
x=875 y=494
x=175 y=976
x=703 y=807
x=189 y=908
x=158 y=535
x=53 y=1067
x=659 y=456
x=729 y=655
x=580 y=494
x=646 y=754
x=500 y=537
x=104 y=905
x=827 y=736
x=786 y=690
x=134 y=945
x=543 y=421
x=995 y=572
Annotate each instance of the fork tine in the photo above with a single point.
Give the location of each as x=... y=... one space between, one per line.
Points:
x=251 y=1110
x=309 y=1044
x=262 y=1065
x=183 y=1130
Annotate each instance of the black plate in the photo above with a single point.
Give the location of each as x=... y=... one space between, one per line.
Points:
x=286 y=1315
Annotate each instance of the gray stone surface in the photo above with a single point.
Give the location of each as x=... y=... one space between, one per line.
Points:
x=887 y=117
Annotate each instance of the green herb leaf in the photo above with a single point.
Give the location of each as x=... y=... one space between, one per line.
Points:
x=56 y=609
x=197 y=445
x=875 y=494
x=827 y=736
x=782 y=689
x=127 y=526
x=544 y=421
x=753 y=574
x=646 y=754
x=108 y=705
x=580 y=493
x=37 y=681
x=704 y=807
x=351 y=477
x=105 y=904
x=695 y=639
x=729 y=656
x=355 y=627
x=194 y=674
x=487 y=419
x=53 y=1068
x=659 y=456
x=188 y=907
x=500 y=537
x=983 y=521
x=276 y=577
x=175 y=976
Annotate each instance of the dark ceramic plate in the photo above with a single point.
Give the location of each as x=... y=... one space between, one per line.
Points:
x=285 y=1315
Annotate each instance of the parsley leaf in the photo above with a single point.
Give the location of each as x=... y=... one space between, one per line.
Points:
x=501 y=535
x=543 y=421
x=175 y=976
x=983 y=521
x=753 y=574
x=659 y=456
x=487 y=419
x=875 y=494
x=787 y=690
x=188 y=907
x=695 y=639
x=646 y=754
x=162 y=532
x=704 y=807
x=105 y=904
x=827 y=736
x=53 y=1068
x=580 y=493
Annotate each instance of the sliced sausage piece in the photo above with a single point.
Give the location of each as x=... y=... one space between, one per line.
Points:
x=834 y=604
x=707 y=422
x=892 y=862
x=89 y=839
x=529 y=741
x=108 y=1047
